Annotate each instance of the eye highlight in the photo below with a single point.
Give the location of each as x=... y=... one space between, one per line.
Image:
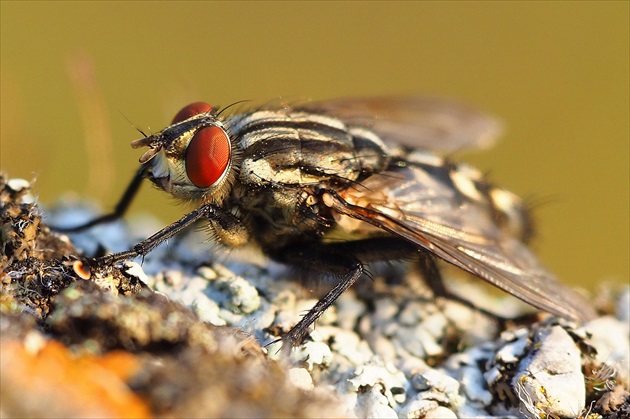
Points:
x=208 y=156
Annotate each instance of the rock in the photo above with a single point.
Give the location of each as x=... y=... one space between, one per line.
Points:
x=549 y=380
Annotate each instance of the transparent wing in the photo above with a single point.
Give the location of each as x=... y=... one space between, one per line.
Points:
x=411 y=204
x=416 y=121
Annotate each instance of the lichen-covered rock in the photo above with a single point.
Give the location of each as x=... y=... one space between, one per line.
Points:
x=196 y=335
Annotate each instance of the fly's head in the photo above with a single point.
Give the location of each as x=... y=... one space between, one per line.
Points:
x=192 y=158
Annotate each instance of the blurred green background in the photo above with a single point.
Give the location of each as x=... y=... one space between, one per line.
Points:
x=76 y=76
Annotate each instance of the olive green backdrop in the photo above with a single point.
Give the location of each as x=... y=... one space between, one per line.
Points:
x=556 y=73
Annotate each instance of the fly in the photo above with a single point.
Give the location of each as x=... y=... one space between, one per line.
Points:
x=293 y=179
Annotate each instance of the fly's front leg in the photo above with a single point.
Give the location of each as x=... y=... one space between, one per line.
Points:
x=223 y=221
x=119 y=210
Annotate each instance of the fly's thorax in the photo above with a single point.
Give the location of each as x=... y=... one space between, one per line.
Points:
x=304 y=149
x=279 y=216
x=285 y=157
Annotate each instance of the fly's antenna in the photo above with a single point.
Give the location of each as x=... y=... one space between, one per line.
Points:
x=132 y=124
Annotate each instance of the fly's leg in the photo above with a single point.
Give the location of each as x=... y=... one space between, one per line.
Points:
x=433 y=278
x=431 y=274
x=344 y=261
x=220 y=218
x=347 y=269
x=120 y=208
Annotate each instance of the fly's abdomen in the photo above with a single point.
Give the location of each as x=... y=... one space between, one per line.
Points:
x=504 y=208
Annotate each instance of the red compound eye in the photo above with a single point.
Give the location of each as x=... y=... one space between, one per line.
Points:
x=191 y=110
x=207 y=156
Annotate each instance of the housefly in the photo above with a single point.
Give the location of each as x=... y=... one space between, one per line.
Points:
x=331 y=186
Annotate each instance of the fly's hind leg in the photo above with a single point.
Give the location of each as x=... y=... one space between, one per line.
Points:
x=431 y=274
x=433 y=278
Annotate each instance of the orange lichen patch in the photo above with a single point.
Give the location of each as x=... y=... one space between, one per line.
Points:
x=52 y=382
